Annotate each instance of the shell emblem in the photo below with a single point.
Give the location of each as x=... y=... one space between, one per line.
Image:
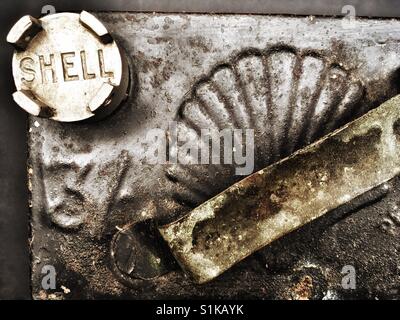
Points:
x=288 y=97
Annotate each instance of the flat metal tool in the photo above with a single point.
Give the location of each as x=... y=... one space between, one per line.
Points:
x=288 y=194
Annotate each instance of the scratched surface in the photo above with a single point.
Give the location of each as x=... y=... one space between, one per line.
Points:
x=276 y=200
x=90 y=185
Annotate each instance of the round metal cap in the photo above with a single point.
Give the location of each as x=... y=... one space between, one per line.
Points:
x=67 y=67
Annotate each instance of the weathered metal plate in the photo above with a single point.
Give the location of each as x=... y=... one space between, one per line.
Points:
x=89 y=181
x=286 y=195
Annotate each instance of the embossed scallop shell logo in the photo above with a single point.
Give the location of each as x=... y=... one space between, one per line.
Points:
x=288 y=97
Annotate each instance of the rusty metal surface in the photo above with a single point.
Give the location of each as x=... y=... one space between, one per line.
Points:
x=88 y=181
x=283 y=197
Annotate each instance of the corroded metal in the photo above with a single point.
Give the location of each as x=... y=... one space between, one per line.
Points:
x=287 y=96
x=91 y=187
x=283 y=197
x=67 y=67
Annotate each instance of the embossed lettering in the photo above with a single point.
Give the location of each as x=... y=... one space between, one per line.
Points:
x=86 y=74
x=26 y=66
x=46 y=66
x=103 y=72
x=68 y=64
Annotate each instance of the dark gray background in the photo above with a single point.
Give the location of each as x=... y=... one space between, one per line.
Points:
x=14 y=211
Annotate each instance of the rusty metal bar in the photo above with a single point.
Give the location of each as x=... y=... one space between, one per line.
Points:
x=288 y=194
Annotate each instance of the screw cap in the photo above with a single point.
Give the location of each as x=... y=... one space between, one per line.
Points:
x=67 y=67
